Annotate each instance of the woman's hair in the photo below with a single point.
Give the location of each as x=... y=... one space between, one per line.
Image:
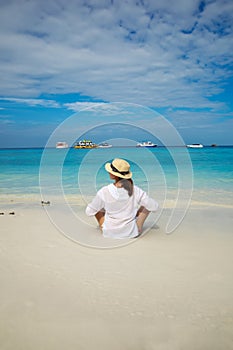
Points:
x=127 y=184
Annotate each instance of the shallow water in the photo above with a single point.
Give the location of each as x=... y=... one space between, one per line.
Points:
x=160 y=170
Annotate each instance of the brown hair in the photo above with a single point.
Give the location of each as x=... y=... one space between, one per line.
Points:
x=127 y=184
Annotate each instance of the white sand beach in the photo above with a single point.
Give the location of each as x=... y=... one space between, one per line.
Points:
x=160 y=292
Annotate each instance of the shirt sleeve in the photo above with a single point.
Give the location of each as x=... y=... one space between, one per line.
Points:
x=145 y=201
x=96 y=205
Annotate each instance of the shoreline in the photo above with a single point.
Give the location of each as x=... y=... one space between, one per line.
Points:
x=222 y=199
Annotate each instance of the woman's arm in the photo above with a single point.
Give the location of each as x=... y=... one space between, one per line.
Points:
x=95 y=206
x=145 y=201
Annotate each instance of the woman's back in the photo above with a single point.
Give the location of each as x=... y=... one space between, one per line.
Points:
x=121 y=208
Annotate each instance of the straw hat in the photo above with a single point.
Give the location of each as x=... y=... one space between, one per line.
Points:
x=120 y=168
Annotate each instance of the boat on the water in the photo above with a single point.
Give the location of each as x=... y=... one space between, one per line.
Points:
x=146 y=144
x=85 y=144
x=104 y=145
x=61 y=144
x=195 y=145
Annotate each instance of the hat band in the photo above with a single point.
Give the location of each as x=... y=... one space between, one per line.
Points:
x=117 y=171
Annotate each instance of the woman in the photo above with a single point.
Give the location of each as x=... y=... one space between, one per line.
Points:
x=121 y=208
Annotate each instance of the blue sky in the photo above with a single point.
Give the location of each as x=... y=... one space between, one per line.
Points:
x=58 y=57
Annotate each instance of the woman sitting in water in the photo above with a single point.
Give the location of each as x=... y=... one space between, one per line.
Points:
x=121 y=208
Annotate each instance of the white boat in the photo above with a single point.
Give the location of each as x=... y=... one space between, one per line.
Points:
x=195 y=145
x=146 y=144
x=61 y=144
x=104 y=145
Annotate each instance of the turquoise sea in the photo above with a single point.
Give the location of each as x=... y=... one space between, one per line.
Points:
x=208 y=170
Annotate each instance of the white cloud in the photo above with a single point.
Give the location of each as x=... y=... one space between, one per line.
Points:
x=158 y=54
x=79 y=106
x=32 y=102
x=6 y=120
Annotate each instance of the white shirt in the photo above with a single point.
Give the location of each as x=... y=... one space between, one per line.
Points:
x=120 y=210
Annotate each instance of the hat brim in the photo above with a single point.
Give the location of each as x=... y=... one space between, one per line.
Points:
x=109 y=170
